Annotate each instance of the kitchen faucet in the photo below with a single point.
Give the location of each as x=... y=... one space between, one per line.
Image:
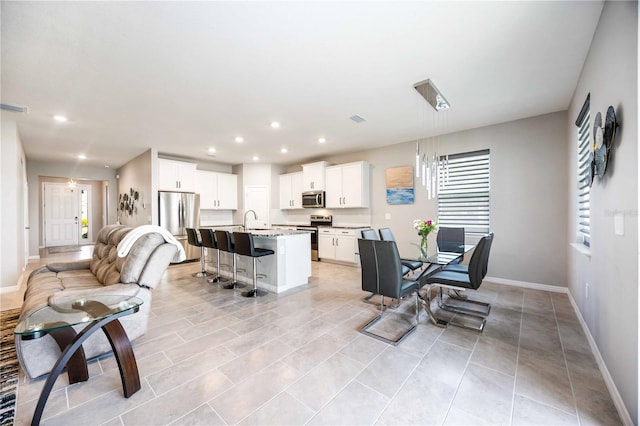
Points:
x=244 y=220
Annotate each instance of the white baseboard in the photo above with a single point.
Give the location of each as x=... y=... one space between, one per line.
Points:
x=9 y=289
x=525 y=284
x=36 y=257
x=613 y=390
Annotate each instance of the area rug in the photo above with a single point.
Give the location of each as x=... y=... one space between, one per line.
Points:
x=8 y=366
x=62 y=249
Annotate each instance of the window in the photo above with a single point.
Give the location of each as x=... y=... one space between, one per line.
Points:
x=463 y=200
x=584 y=173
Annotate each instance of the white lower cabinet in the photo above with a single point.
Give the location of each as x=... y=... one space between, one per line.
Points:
x=337 y=244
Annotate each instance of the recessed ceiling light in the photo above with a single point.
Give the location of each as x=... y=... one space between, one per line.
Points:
x=82 y=156
x=60 y=118
x=275 y=125
x=106 y=166
x=211 y=152
x=239 y=139
x=322 y=140
x=284 y=150
x=256 y=158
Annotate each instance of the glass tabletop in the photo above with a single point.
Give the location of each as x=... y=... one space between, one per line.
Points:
x=446 y=257
x=73 y=311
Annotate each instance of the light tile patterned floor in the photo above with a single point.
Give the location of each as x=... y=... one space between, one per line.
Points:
x=213 y=357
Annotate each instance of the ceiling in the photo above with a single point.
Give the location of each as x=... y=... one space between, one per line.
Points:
x=183 y=77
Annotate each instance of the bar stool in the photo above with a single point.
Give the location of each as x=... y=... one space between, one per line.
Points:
x=208 y=238
x=244 y=247
x=192 y=238
x=224 y=243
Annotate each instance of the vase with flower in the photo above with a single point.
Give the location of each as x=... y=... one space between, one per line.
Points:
x=424 y=227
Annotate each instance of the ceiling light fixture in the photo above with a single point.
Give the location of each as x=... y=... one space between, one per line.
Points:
x=430 y=92
x=322 y=140
x=82 y=157
x=71 y=184
x=275 y=125
x=433 y=168
x=211 y=151
x=256 y=158
x=357 y=118
x=60 y=118
x=239 y=139
x=284 y=150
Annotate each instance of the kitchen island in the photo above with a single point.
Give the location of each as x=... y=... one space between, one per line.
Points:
x=289 y=267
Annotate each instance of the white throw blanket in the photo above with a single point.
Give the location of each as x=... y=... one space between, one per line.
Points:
x=127 y=242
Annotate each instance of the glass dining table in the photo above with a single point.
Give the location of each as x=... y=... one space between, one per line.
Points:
x=433 y=264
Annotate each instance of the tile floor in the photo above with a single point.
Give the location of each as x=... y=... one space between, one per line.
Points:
x=213 y=357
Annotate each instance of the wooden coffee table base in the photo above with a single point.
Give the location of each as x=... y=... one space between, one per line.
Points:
x=74 y=359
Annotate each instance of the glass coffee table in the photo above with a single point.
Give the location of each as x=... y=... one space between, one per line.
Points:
x=97 y=312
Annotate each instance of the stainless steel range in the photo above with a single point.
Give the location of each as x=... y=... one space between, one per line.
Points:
x=314 y=222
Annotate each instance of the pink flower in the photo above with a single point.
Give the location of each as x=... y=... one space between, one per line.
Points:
x=428 y=223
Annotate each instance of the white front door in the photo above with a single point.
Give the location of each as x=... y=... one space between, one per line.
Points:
x=60 y=215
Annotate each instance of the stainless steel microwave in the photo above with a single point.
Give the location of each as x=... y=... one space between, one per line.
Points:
x=313 y=199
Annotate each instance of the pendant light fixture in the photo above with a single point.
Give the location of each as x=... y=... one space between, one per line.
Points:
x=433 y=168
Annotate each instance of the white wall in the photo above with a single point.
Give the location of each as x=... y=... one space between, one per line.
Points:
x=12 y=160
x=137 y=175
x=528 y=195
x=75 y=170
x=611 y=310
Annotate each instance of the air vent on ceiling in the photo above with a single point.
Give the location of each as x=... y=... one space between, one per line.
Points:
x=14 y=108
x=430 y=92
x=357 y=118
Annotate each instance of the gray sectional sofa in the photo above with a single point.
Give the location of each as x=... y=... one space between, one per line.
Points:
x=106 y=273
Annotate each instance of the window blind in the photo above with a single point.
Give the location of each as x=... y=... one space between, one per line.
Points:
x=463 y=199
x=584 y=173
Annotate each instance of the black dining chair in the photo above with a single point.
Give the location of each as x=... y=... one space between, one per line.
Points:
x=192 y=239
x=244 y=247
x=387 y=235
x=461 y=281
x=451 y=240
x=381 y=273
x=371 y=234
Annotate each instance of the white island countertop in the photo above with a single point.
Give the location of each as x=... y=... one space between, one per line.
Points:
x=287 y=268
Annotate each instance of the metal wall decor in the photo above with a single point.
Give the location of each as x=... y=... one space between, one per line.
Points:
x=603 y=137
x=127 y=202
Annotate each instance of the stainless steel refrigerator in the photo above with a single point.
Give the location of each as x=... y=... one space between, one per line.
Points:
x=178 y=211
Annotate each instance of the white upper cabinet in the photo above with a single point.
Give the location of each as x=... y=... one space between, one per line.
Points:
x=291 y=191
x=347 y=185
x=218 y=191
x=313 y=176
x=176 y=176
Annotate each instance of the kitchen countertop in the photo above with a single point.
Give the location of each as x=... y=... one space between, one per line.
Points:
x=346 y=226
x=275 y=232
